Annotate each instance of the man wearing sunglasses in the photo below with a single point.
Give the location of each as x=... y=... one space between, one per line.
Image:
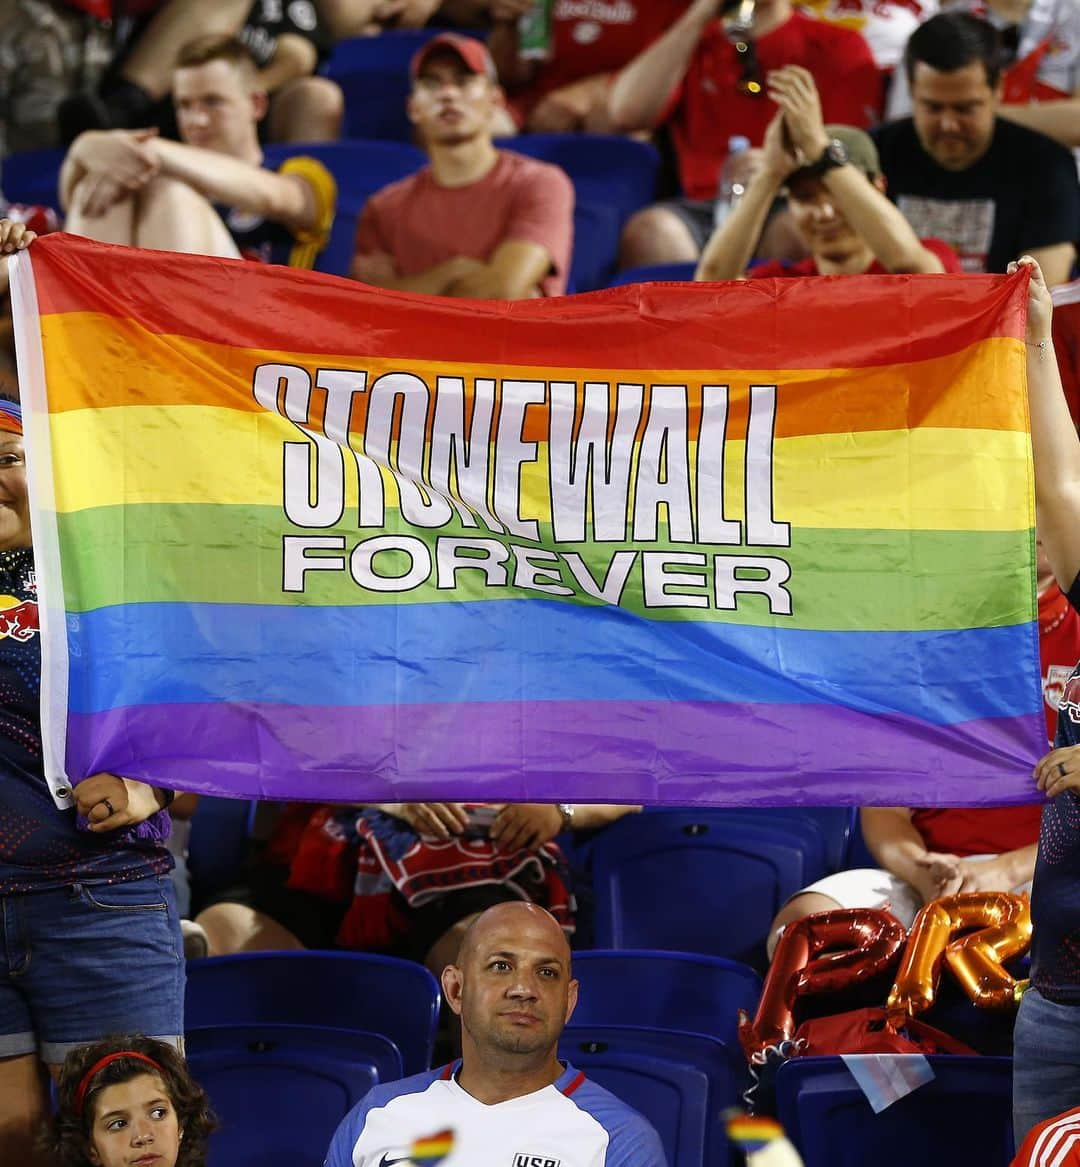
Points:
x=708 y=79
x=836 y=197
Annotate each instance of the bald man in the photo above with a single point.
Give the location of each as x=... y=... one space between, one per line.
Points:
x=508 y=1101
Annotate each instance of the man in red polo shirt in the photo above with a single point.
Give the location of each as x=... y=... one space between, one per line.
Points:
x=707 y=82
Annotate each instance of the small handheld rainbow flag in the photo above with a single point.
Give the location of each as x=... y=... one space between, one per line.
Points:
x=748 y=544
x=427 y=1152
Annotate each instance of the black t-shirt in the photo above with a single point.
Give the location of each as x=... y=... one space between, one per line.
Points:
x=1021 y=194
x=270 y=19
x=1055 y=892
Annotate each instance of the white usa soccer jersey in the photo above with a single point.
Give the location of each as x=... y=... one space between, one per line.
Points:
x=429 y=1121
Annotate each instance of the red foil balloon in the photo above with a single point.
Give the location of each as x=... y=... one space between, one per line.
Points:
x=977 y=960
x=823 y=953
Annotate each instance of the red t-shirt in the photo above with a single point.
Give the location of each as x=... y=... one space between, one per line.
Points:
x=1067 y=342
x=594 y=36
x=978 y=830
x=707 y=108
x=419 y=223
x=775 y=269
x=1053 y=1143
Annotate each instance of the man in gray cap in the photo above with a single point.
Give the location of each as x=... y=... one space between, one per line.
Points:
x=835 y=192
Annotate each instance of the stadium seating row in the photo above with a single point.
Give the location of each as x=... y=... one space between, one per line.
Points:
x=612 y=178
x=657 y=1029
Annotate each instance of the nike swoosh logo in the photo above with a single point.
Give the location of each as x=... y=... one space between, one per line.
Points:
x=386 y=1161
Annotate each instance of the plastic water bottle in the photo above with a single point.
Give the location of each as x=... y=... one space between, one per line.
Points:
x=534 y=32
x=729 y=191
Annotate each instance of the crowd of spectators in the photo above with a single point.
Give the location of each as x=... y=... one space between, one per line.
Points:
x=867 y=138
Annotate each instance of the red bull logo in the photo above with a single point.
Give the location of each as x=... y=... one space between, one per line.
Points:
x=18 y=618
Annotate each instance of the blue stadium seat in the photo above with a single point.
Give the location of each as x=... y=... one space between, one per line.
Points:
x=373 y=72
x=360 y=169
x=699 y=880
x=682 y=272
x=596 y=246
x=280 y=1091
x=681 y=992
x=680 y=1082
x=32 y=176
x=963 y=1116
x=218 y=846
x=604 y=168
x=350 y=990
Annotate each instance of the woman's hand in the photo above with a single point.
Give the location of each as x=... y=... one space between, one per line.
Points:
x=1040 y=305
x=110 y=803
x=14 y=236
x=1058 y=771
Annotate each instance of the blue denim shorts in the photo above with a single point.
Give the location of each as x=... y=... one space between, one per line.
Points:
x=80 y=962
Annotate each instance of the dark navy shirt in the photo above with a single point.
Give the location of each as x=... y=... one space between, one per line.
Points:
x=1055 y=893
x=41 y=846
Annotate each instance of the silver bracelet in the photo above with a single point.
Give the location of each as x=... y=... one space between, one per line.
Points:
x=1041 y=345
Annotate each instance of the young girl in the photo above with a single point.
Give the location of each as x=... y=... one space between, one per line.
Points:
x=128 y=1101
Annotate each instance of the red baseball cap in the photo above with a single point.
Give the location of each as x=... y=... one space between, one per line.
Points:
x=472 y=53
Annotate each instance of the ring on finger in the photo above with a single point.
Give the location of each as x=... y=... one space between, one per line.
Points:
x=1061 y=769
x=108 y=807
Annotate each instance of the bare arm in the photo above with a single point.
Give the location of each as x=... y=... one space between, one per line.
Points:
x=1056 y=262
x=1059 y=120
x=293 y=57
x=730 y=249
x=379 y=270
x=592 y=816
x=283 y=198
x=898 y=847
x=346 y=18
x=643 y=88
x=1054 y=443
x=513 y=272
x=503 y=46
x=887 y=233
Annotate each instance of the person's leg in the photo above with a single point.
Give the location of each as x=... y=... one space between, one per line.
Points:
x=1046 y=1061
x=24 y=1105
x=309 y=109
x=170 y=216
x=657 y=234
x=804 y=904
x=23 y=1097
x=117 y=225
x=861 y=887
x=231 y=927
x=150 y=63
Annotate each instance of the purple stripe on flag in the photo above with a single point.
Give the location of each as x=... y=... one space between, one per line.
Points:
x=677 y=753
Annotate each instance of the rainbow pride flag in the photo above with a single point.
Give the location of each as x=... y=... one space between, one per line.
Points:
x=750 y=543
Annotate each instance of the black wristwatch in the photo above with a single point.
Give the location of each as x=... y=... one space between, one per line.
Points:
x=835 y=154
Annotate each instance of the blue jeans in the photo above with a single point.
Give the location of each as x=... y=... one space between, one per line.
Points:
x=88 y=960
x=1046 y=1061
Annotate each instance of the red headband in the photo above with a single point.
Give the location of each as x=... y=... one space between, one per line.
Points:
x=100 y=1064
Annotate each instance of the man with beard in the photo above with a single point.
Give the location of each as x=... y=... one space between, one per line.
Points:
x=477 y=222
x=508 y=1099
